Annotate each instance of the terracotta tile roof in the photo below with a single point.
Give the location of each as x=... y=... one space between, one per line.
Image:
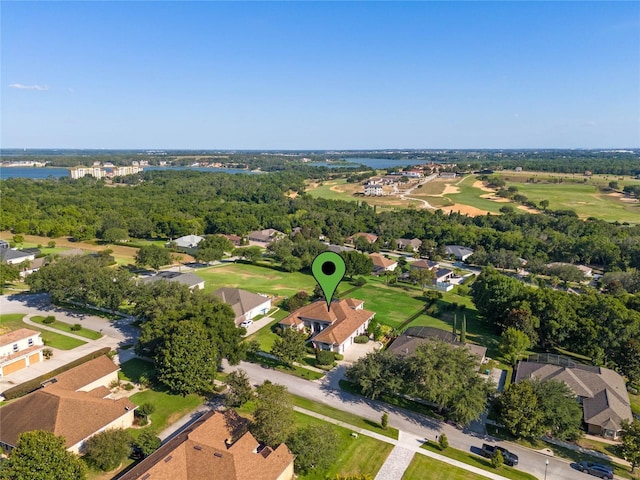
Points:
x=380 y=261
x=84 y=374
x=217 y=446
x=16 y=335
x=370 y=237
x=348 y=321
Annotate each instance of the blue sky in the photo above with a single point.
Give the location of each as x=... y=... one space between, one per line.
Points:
x=320 y=75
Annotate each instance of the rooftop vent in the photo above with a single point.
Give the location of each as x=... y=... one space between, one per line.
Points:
x=197 y=447
x=146 y=476
x=168 y=458
x=219 y=455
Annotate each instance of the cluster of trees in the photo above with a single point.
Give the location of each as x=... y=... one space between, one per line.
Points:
x=603 y=327
x=531 y=408
x=315 y=446
x=43 y=455
x=437 y=373
x=171 y=204
x=186 y=333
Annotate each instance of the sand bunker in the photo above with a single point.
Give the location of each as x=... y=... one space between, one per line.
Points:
x=493 y=198
x=481 y=186
x=465 y=210
x=448 y=188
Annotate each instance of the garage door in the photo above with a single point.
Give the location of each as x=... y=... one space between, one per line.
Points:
x=35 y=358
x=14 y=367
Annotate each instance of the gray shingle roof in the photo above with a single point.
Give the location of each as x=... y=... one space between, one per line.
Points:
x=241 y=301
x=188 y=279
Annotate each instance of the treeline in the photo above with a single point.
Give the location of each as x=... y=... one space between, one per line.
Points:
x=186 y=333
x=168 y=205
x=605 y=328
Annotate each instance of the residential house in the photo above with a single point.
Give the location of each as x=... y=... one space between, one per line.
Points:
x=234 y=239
x=189 y=279
x=19 y=349
x=369 y=237
x=217 y=446
x=334 y=329
x=33 y=266
x=403 y=243
x=75 y=405
x=425 y=264
x=412 y=173
x=263 y=238
x=187 y=244
x=13 y=256
x=382 y=264
x=373 y=189
x=587 y=271
x=406 y=344
x=602 y=392
x=443 y=275
x=246 y=305
x=338 y=248
x=459 y=252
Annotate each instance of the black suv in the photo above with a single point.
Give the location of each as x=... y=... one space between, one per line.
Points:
x=489 y=451
x=596 y=469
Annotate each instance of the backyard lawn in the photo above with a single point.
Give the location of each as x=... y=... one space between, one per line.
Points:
x=169 y=408
x=66 y=327
x=131 y=370
x=13 y=321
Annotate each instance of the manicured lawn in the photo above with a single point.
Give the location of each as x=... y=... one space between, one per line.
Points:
x=343 y=416
x=470 y=195
x=265 y=335
x=586 y=199
x=13 y=321
x=478 y=461
x=256 y=279
x=131 y=370
x=66 y=327
x=635 y=403
x=169 y=408
x=437 y=470
x=362 y=455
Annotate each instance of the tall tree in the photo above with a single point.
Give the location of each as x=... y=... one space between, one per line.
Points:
x=153 y=256
x=518 y=410
x=212 y=248
x=187 y=359
x=8 y=273
x=631 y=443
x=273 y=419
x=513 y=344
x=106 y=450
x=315 y=447
x=290 y=346
x=240 y=391
x=463 y=330
x=40 y=454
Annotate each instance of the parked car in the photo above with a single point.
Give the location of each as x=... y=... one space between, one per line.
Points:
x=246 y=323
x=489 y=451
x=596 y=469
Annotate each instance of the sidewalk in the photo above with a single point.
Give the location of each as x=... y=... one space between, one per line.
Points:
x=406 y=444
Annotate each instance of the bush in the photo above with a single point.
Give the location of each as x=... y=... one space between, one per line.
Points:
x=146 y=409
x=47 y=353
x=106 y=450
x=443 y=442
x=128 y=387
x=144 y=380
x=361 y=339
x=51 y=244
x=147 y=443
x=310 y=350
x=338 y=356
x=324 y=357
x=360 y=282
x=384 y=421
x=49 y=320
x=497 y=459
x=76 y=327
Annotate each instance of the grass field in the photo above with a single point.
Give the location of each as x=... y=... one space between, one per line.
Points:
x=256 y=279
x=131 y=370
x=343 y=416
x=66 y=327
x=478 y=461
x=437 y=470
x=361 y=455
x=169 y=408
x=13 y=321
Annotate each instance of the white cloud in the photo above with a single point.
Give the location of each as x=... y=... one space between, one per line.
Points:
x=20 y=86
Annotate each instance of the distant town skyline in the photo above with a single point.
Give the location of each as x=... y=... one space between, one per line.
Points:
x=320 y=75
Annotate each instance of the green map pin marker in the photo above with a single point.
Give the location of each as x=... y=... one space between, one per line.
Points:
x=328 y=269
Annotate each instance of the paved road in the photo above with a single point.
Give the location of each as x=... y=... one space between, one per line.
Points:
x=409 y=423
x=115 y=333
